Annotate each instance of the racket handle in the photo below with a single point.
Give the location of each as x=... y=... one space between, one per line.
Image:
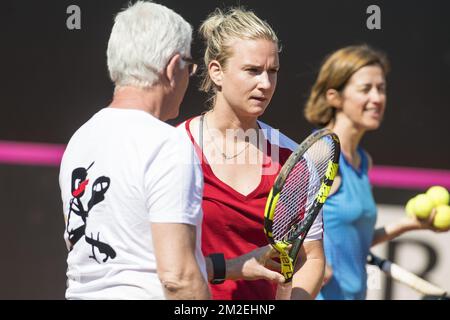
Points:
x=406 y=277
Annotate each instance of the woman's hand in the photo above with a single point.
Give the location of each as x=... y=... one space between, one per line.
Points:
x=257 y=264
x=425 y=224
x=406 y=224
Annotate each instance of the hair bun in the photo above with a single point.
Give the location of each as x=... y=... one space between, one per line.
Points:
x=211 y=23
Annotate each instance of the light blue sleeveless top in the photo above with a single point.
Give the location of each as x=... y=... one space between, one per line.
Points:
x=349 y=218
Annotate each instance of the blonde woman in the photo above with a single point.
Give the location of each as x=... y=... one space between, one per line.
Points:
x=349 y=97
x=241 y=156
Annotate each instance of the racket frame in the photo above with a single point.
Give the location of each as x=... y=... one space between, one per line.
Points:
x=289 y=260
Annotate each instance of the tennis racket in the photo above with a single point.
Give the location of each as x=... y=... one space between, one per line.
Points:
x=406 y=277
x=298 y=194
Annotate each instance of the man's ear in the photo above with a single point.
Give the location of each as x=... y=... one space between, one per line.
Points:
x=172 y=68
x=215 y=72
x=334 y=98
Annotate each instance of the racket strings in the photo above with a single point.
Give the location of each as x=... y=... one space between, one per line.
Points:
x=301 y=188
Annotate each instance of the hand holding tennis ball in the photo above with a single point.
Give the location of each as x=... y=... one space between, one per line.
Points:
x=442 y=217
x=422 y=204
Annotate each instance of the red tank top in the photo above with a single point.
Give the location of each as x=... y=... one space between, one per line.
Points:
x=233 y=224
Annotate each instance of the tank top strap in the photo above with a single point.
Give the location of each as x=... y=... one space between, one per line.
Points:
x=198 y=148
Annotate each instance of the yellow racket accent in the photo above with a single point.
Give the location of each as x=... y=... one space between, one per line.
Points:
x=331 y=170
x=324 y=190
x=271 y=204
x=287 y=268
x=323 y=193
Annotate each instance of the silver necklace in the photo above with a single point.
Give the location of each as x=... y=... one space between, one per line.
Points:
x=224 y=155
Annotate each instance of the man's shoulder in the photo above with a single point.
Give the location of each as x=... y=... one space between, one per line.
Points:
x=125 y=131
x=130 y=119
x=136 y=120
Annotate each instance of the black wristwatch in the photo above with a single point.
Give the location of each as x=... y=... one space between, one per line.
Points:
x=219 y=269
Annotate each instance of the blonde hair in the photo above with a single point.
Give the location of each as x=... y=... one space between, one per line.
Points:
x=220 y=28
x=335 y=73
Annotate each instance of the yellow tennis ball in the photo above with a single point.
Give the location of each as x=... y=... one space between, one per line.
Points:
x=442 y=217
x=439 y=195
x=409 y=208
x=423 y=206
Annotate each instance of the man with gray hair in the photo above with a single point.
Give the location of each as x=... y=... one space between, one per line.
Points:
x=131 y=184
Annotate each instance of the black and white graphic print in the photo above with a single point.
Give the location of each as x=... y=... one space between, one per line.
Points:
x=79 y=215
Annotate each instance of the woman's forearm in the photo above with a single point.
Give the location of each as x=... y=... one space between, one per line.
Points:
x=307 y=281
x=393 y=230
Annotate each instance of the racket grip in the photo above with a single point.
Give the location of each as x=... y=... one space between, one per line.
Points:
x=287 y=269
x=376 y=261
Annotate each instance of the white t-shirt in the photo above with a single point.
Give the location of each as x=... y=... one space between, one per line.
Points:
x=121 y=171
